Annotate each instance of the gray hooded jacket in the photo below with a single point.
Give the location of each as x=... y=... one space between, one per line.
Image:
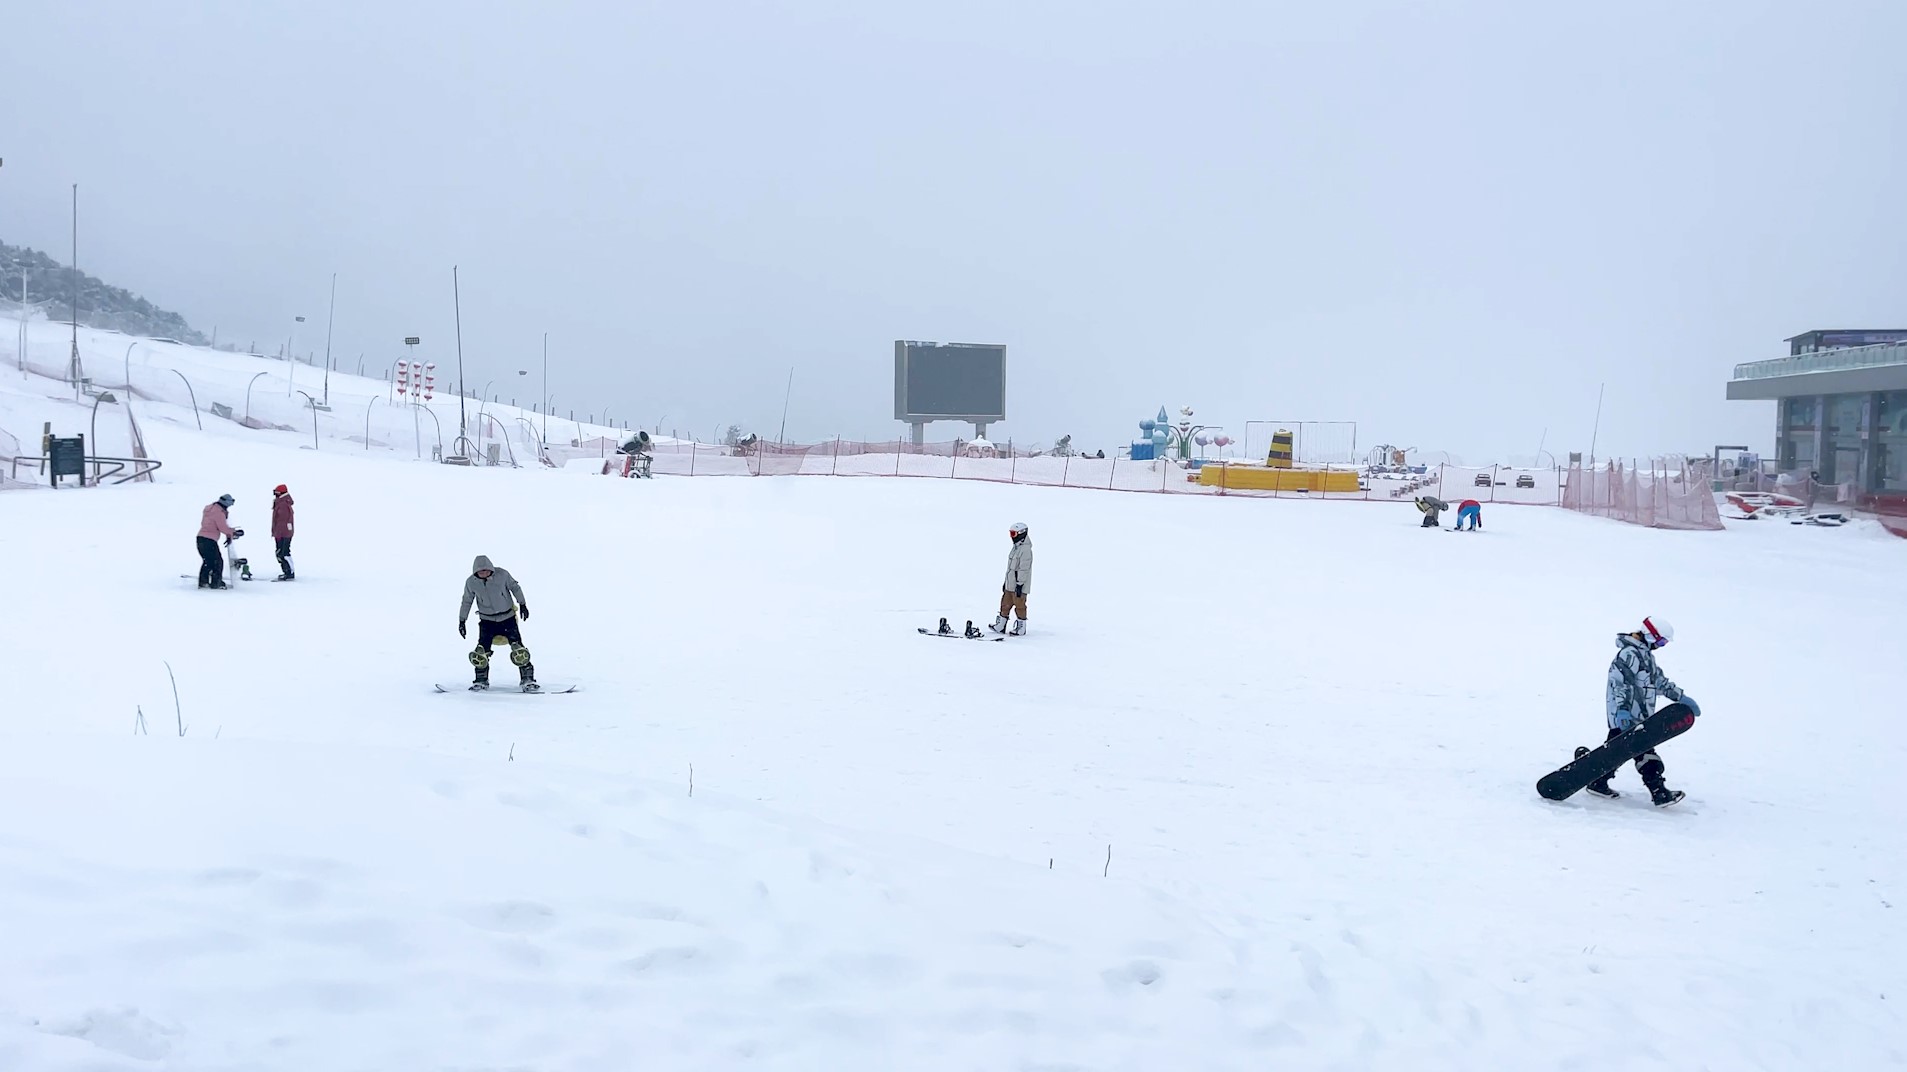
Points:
x=496 y=599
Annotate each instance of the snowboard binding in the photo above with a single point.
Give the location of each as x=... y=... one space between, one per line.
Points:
x=971 y=633
x=945 y=629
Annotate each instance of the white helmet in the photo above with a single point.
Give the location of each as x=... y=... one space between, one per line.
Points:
x=1657 y=631
x=1018 y=529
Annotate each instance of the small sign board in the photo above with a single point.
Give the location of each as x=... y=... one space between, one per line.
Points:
x=66 y=456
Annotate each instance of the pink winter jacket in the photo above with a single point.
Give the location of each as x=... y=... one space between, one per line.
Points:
x=213 y=523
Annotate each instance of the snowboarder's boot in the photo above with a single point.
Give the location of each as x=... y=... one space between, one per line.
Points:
x=1664 y=797
x=482 y=684
x=945 y=629
x=999 y=624
x=1019 y=627
x=1600 y=786
x=480 y=658
x=530 y=685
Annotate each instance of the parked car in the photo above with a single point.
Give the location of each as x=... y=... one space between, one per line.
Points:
x=1483 y=480
x=1524 y=480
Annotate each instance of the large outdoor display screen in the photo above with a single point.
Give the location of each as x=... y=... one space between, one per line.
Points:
x=949 y=381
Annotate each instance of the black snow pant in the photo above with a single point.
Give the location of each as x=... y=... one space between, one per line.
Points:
x=1648 y=764
x=1430 y=522
x=488 y=633
x=211 y=566
x=284 y=556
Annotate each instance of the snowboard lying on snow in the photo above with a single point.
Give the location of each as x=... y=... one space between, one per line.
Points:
x=1568 y=779
x=509 y=690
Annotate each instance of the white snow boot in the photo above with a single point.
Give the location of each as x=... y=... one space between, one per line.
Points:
x=1019 y=627
x=999 y=624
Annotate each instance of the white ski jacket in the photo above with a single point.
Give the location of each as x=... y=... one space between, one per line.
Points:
x=1019 y=566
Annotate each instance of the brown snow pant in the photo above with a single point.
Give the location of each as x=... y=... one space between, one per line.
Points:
x=1011 y=602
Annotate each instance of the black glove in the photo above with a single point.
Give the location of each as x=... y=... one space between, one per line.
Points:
x=463 y=629
x=236 y=533
x=523 y=611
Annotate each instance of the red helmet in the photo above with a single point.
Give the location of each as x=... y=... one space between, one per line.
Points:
x=281 y=490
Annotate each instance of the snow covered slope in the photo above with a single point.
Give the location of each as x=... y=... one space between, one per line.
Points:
x=1307 y=733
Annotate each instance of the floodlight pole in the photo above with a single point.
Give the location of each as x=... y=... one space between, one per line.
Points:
x=463 y=422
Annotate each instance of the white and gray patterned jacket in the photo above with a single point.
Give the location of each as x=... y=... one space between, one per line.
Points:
x=1635 y=682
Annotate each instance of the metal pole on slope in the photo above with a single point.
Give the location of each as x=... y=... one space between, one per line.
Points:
x=291 y=361
x=546 y=389
x=73 y=273
x=313 y=403
x=329 y=318
x=1597 y=427
x=456 y=295
x=782 y=436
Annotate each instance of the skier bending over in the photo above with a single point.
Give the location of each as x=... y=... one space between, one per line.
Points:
x=213 y=523
x=1472 y=511
x=281 y=527
x=498 y=599
x=1433 y=509
x=1019 y=581
x=1634 y=683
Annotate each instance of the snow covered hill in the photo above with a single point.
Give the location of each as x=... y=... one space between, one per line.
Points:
x=1257 y=792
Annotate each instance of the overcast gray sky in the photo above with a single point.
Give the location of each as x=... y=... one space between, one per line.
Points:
x=1447 y=221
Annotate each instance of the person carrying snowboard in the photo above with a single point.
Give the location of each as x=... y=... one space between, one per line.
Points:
x=1472 y=511
x=215 y=522
x=1433 y=509
x=1635 y=682
x=498 y=599
x=281 y=525
x=1019 y=581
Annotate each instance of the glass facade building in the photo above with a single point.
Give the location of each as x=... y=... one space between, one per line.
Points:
x=1841 y=411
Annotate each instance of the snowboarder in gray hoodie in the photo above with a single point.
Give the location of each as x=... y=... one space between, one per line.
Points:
x=499 y=600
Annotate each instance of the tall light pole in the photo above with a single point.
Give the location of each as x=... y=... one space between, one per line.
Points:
x=463 y=421
x=73 y=272
x=291 y=361
x=546 y=389
x=329 y=317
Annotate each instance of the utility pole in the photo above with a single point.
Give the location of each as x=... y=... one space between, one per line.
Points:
x=546 y=389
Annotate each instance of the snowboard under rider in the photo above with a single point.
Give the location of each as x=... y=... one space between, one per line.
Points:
x=281 y=529
x=1635 y=683
x=1433 y=509
x=1019 y=581
x=498 y=599
x=1472 y=511
x=214 y=522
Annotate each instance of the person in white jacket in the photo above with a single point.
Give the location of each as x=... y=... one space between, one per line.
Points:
x=1019 y=582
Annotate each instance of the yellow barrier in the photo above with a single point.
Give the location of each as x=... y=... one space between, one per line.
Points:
x=1255 y=478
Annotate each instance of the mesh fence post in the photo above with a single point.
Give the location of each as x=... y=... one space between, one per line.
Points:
x=1493 y=470
x=835 y=464
x=1066 y=466
x=1012 y=464
x=1114 y=471
x=953 y=470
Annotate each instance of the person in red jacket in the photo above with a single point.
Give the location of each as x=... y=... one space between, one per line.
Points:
x=281 y=525
x=1471 y=511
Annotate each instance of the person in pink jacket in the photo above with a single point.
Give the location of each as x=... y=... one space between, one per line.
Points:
x=214 y=523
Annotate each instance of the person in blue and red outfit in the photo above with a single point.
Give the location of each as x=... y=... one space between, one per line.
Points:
x=1472 y=511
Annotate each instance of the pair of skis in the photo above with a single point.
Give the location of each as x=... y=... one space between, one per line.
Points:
x=972 y=632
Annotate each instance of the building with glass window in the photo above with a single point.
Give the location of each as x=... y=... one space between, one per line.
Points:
x=1840 y=412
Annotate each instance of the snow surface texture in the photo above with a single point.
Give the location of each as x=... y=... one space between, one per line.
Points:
x=1308 y=731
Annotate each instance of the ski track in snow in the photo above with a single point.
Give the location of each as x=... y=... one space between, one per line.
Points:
x=1309 y=734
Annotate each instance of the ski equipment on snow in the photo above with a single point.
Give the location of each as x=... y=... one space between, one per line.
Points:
x=1596 y=764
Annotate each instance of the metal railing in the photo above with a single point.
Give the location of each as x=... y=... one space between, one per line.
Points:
x=1852 y=357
